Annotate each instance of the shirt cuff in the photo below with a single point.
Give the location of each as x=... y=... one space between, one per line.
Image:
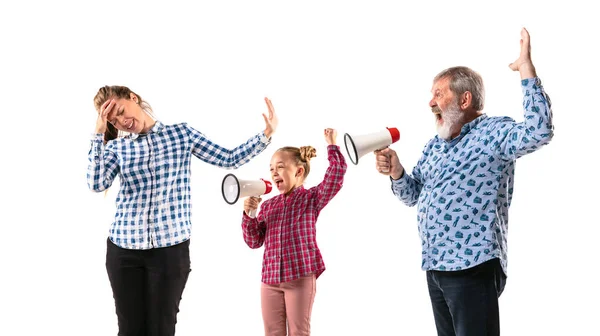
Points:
x=531 y=83
x=247 y=219
x=263 y=138
x=401 y=182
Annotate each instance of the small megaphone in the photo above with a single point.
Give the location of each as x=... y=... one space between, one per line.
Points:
x=359 y=145
x=233 y=189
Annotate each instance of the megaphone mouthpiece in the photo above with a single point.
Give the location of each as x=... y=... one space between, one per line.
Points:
x=268 y=186
x=395 y=133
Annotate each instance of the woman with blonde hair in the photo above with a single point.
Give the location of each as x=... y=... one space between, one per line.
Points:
x=147 y=258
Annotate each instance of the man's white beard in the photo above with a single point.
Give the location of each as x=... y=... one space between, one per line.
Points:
x=452 y=119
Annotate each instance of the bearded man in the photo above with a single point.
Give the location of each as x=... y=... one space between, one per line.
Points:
x=462 y=186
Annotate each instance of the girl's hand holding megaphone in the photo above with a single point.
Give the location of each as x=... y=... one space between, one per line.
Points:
x=250 y=204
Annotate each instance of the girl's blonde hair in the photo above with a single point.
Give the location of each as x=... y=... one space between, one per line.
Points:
x=301 y=156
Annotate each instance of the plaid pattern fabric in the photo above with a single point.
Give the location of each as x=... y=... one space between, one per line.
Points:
x=153 y=204
x=286 y=226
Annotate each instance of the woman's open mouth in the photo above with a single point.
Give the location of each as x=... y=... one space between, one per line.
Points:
x=131 y=124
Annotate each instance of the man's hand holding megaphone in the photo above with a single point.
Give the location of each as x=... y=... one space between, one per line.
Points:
x=251 y=205
x=387 y=163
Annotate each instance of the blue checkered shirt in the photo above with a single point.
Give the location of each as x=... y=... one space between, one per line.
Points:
x=463 y=187
x=153 y=204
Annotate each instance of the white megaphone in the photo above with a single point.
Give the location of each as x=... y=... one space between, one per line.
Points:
x=359 y=145
x=233 y=189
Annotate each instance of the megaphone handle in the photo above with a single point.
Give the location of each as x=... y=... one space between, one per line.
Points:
x=252 y=213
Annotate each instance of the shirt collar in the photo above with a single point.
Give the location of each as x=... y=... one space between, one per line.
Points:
x=472 y=124
x=158 y=126
x=294 y=192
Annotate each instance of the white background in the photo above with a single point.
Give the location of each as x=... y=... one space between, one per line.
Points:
x=354 y=66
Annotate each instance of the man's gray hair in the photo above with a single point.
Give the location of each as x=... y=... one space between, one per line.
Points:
x=464 y=79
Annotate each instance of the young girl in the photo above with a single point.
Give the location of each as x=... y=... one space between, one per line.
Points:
x=286 y=225
x=147 y=257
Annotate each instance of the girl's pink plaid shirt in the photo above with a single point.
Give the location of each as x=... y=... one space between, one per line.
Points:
x=286 y=226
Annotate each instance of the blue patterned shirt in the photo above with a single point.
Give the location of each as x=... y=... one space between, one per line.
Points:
x=153 y=203
x=463 y=187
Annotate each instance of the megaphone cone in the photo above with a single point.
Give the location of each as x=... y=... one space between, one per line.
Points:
x=233 y=189
x=359 y=145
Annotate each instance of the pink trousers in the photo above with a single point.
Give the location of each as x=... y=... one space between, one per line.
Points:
x=289 y=302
